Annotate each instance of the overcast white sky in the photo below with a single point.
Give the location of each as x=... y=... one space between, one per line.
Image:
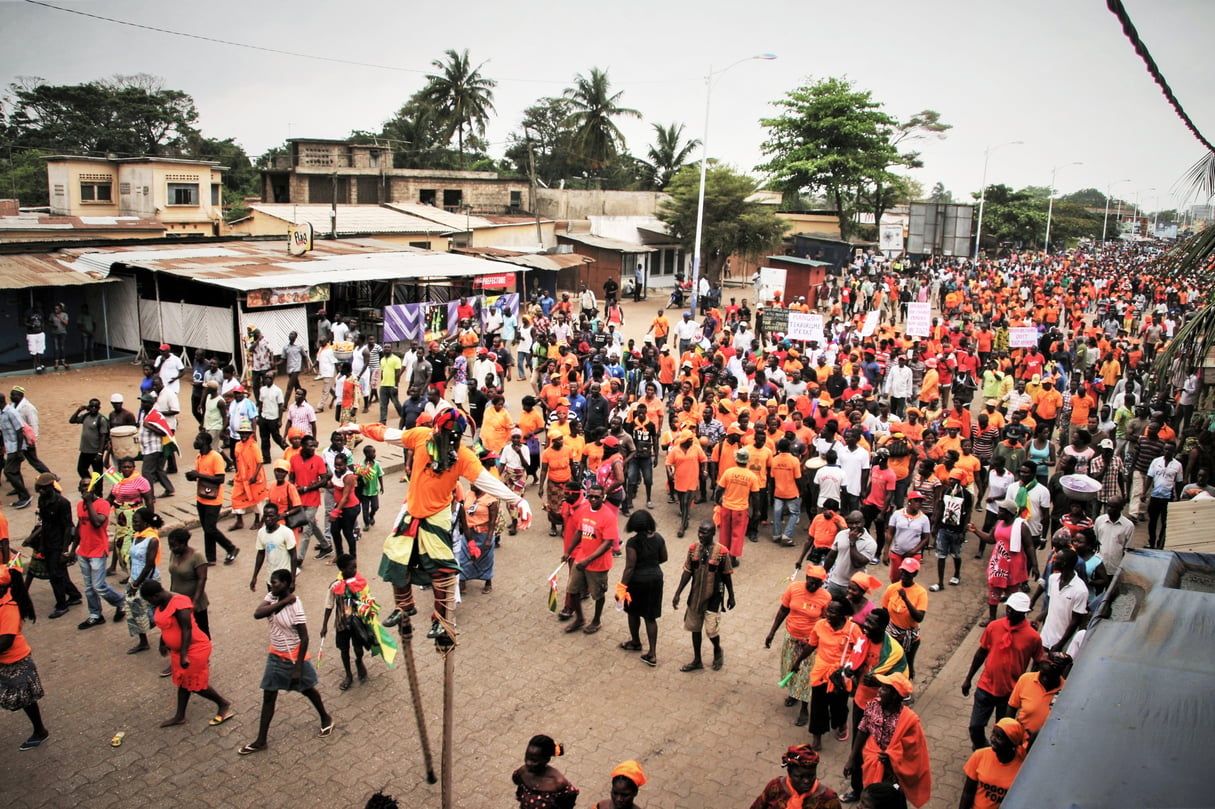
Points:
x=1056 y=74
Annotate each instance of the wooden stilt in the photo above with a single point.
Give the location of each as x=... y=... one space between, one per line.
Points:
x=416 y=693
x=449 y=689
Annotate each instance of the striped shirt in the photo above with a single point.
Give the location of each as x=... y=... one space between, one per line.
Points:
x=284 y=639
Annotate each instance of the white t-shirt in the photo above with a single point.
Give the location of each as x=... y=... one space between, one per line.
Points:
x=271 y=400
x=841 y=572
x=1039 y=503
x=170 y=368
x=278 y=547
x=854 y=462
x=830 y=480
x=1065 y=600
x=1115 y=538
x=997 y=488
x=908 y=531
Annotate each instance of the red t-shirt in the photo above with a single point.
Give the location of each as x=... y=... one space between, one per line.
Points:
x=1007 y=662
x=593 y=528
x=94 y=542
x=881 y=483
x=305 y=473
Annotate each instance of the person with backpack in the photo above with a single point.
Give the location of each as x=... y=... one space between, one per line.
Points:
x=952 y=516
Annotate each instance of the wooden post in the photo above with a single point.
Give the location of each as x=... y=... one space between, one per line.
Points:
x=416 y=693
x=449 y=689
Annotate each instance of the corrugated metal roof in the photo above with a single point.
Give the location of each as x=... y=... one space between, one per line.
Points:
x=50 y=222
x=243 y=266
x=455 y=221
x=536 y=261
x=805 y=262
x=352 y=219
x=604 y=243
x=25 y=270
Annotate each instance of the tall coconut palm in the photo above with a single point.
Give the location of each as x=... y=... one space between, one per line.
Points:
x=459 y=93
x=597 y=140
x=668 y=154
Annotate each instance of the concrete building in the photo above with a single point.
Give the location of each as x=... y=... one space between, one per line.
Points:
x=185 y=195
x=317 y=171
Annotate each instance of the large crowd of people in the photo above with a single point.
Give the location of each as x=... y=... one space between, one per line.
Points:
x=872 y=452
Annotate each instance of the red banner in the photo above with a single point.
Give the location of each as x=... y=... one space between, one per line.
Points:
x=499 y=280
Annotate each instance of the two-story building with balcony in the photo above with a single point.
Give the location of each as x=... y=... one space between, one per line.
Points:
x=184 y=195
x=316 y=171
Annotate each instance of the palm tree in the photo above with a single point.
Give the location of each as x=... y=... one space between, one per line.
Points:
x=597 y=140
x=667 y=155
x=462 y=97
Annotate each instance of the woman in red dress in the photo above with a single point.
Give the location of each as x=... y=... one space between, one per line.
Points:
x=189 y=651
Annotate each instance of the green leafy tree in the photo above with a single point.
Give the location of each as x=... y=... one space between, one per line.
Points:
x=596 y=139
x=829 y=138
x=732 y=225
x=545 y=130
x=668 y=154
x=886 y=188
x=459 y=96
x=1018 y=219
x=126 y=115
x=419 y=138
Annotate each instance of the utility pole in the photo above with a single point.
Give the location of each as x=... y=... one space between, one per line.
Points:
x=531 y=171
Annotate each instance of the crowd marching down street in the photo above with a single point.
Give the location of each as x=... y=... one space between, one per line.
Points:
x=1009 y=407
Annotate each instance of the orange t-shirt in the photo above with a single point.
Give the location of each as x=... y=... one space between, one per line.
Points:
x=760 y=460
x=429 y=491
x=211 y=464
x=686 y=465
x=738 y=483
x=805 y=608
x=10 y=624
x=558 y=461
x=786 y=471
x=824 y=531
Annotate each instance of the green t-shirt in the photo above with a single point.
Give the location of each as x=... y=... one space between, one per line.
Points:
x=371 y=478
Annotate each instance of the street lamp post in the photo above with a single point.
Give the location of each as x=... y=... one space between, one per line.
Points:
x=1050 y=208
x=983 y=189
x=1105 y=219
x=1138 y=212
x=704 y=161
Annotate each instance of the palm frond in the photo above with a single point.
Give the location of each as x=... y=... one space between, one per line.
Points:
x=1199 y=181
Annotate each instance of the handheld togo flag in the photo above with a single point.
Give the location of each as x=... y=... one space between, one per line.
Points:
x=112 y=476
x=552 y=589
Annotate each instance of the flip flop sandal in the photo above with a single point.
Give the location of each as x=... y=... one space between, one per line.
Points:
x=691 y=667
x=328 y=729
x=649 y=661
x=630 y=646
x=591 y=629
x=249 y=750
x=219 y=719
x=718 y=660
x=575 y=626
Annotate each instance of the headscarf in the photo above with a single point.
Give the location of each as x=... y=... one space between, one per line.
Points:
x=898 y=681
x=631 y=770
x=1013 y=729
x=864 y=581
x=800 y=755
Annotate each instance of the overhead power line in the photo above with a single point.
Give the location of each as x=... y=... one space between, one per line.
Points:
x=1128 y=28
x=298 y=54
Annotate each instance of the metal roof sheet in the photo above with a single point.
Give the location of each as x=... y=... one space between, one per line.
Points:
x=352 y=219
x=50 y=222
x=243 y=266
x=604 y=243
x=805 y=262
x=25 y=270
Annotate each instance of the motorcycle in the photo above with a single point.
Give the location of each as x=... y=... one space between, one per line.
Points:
x=681 y=290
